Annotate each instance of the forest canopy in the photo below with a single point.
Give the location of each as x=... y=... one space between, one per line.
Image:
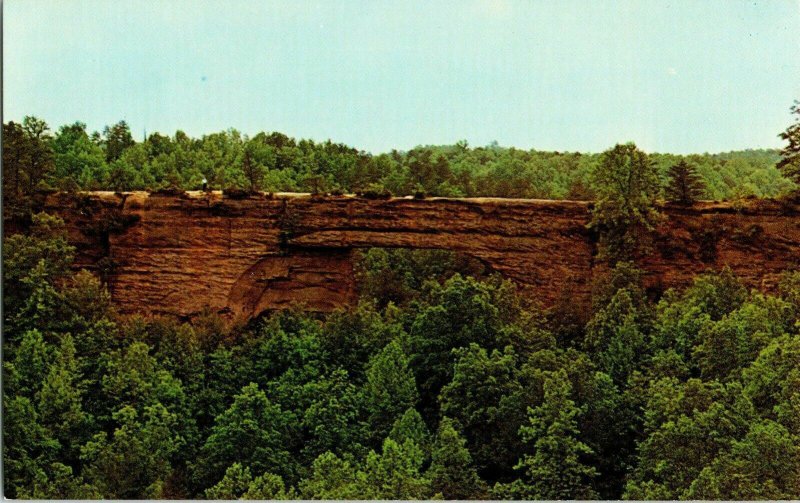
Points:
x=72 y=158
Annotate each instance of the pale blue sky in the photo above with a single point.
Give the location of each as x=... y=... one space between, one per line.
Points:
x=673 y=76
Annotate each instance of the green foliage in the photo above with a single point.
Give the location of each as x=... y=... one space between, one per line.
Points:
x=485 y=397
x=765 y=464
x=134 y=461
x=59 y=483
x=458 y=313
x=410 y=426
x=73 y=159
x=27 y=163
x=452 y=473
x=616 y=336
x=116 y=139
x=790 y=155
x=61 y=402
x=685 y=185
x=556 y=469
x=27 y=445
x=252 y=431
x=390 y=388
x=770 y=381
x=687 y=425
x=626 y=183
x=395 y=474
x=333 y=478
x=334 y=420
x=79 y=160
x=32 y=264
x=397 y=275
x=238 y=483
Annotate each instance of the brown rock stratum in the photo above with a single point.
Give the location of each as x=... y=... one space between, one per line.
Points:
x=179 y=255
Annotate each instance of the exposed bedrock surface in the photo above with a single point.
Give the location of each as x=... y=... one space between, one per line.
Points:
x=178 y=255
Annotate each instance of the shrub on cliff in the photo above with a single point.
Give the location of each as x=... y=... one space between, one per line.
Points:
x=236 y=193
x=376 y=193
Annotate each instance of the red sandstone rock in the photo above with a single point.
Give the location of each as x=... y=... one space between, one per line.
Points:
x=179 y=254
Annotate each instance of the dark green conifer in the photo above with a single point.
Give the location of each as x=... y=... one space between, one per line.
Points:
x=685 y=185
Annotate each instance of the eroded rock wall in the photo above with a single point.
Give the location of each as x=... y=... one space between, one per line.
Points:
x=179 y=255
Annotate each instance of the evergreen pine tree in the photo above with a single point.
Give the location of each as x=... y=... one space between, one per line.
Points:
x=685 y=185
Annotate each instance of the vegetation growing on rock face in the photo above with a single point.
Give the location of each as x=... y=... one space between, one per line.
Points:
x=450 y=386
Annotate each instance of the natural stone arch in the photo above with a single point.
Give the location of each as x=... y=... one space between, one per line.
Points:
x=184 y=254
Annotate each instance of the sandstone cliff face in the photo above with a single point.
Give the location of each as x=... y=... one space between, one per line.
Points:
x=179 y=255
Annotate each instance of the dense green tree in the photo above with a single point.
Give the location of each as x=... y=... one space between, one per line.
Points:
x=27 y=445
x=334 y=420
x=410 y=426
x=254 y=432
x=235 y=482
x=765 y=464
x=458 y=313
x=134 y=378
x=61 y=402
x=770 y=381
x=687 y=425
x=57 y=482
x=134 y=461
x=116 y=139
x=557 y=468
x=15 y=151
x=395 y=473
x=626 y=184
x=238 y=483
x=268 y=487
x=252 y=170
x=452 y=473
x=790 y=154
x=685 y=186
x=351 y=336
x=616 y=335
x=485 y=398
x=78 y=160
x=41 y=255
x=731 y=343
x=38 y=152
x=398 y=275
x=27 y=362
x=333 y=478
x=390 y=388
x=716 y=294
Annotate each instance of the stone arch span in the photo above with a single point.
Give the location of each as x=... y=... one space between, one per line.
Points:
x=182 y=254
